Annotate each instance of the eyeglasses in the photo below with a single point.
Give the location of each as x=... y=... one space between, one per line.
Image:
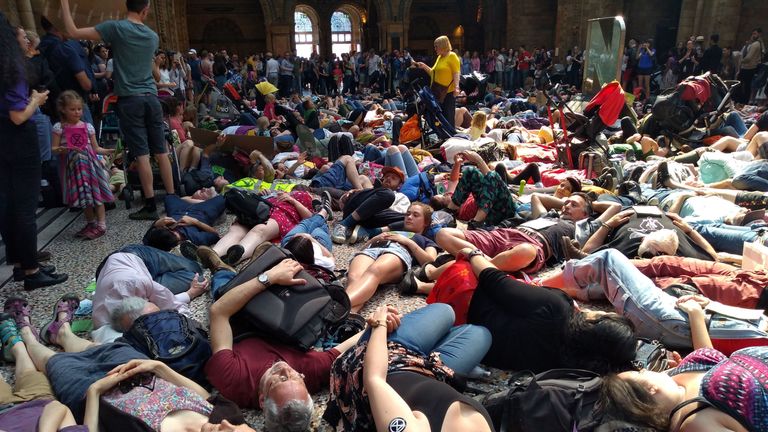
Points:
x=146 y=381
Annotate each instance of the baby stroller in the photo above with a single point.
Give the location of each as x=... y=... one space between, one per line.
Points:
x=687 y=113
x=132 y=181
x=474 y=86
x=109 y=126
x=424 y=104
x=222 y=109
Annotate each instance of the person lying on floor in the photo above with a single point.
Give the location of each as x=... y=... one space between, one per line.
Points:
x=538 y=328
x=374 y=385
x=387 y=257
x=342 y=175
x=371 y=208
x=288 y=209
x=611 y=275
x=188 y=220
x=162 y=279
x=529 y=246
x=255 y=372
x=132 y=392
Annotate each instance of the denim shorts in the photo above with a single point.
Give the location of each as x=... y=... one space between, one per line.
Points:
x=393 y=248
x=141 y=124
x=335 y=177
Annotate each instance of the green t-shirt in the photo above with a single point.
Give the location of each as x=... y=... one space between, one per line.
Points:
x=134 y=46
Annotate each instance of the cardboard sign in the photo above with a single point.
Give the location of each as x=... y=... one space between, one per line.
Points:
x=84 y=13
x=246 y=143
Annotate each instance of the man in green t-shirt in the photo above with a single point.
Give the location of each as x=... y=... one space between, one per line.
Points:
x=138 y=108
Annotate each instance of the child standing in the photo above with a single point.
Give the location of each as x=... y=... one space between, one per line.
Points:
x=87 y=182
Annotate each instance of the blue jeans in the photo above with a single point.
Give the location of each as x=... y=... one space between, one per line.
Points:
x=171 y=271
x=219 y=279
x=754 y=177
x=728 y=238
x=315 y=226
x=335 y=177
x=44 y=132
x=430 y=329
x=402 y=160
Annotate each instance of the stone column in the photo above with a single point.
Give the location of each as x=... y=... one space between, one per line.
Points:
x=25 y=14
x=324 y=33
x=9 y=7
x=280 y=38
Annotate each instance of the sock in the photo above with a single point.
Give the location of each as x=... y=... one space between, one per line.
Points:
x=372 y=232
x=102 y=225
x=349 y=221
x=150 y=203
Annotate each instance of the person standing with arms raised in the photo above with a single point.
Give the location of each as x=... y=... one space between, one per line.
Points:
x=445 y=77
x=138 y=109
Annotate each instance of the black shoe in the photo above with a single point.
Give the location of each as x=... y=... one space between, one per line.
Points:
x=110 y=206
x=18 y=272
x=145 y=213
x=188 y=250
x=42 y=279
x=234 y=253
x=474 y=225
x=327 y=202
x=571 y=250
x=408 y=285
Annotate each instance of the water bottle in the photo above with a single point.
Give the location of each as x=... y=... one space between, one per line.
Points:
x=522 y=187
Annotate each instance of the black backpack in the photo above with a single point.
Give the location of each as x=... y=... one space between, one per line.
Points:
x=196 y=179
x=248 y=206
x=555 y=400
x=671 y=114
x=296 y=315
x=173 y=339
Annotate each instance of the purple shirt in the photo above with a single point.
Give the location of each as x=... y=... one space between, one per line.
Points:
x=15 y=99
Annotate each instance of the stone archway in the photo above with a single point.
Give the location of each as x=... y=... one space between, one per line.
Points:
x=347 y=29
x=238 y=26
x=306 y=30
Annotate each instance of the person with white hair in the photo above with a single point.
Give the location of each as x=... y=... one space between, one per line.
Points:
x=137 y=280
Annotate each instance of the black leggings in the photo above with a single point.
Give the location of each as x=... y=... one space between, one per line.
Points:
x=20 y=174
x=372 y=205
x=530 y=172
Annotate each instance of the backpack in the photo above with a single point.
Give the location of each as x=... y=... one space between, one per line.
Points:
x=249 y=207
x=196 y=179
x=172 y=338
x=297 y=315
x=555 y=400
x=671 y=114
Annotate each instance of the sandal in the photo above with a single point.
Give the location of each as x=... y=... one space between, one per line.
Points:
x=18 y=308
x=68 y=303
x=9 y=335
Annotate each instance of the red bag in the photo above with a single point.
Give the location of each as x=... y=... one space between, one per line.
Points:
x=468 y=210
x=455 y=288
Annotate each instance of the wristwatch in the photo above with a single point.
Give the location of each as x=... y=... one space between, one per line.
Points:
x=264 y=279
x=474 y=253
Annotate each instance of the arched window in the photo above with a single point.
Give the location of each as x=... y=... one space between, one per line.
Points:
x=341 y=33
x=304 y=34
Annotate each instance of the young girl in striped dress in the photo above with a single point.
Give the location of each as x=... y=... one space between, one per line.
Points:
x=86 y=179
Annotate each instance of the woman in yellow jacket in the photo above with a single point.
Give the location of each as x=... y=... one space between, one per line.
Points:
x=446 y=73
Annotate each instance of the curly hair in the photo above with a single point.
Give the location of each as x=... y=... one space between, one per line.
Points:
x=12 y=65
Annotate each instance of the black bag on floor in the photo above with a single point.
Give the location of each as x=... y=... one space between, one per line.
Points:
x=556 y=400
x=297 y=315
x=249 y=207
x=651 y=355
x=173 y=339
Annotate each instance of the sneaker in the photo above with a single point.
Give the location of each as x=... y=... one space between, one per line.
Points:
x=211 y=260
x=340 y=234
x=188 y=250
x=327 y=202
x=94 y=233
x=234 y=254
x=474 y=225
x=42 y=279
x=145 y=213
x=9 y=335
x=359 y=234
x=18 y=308
x=18 y=272
x=67 y=304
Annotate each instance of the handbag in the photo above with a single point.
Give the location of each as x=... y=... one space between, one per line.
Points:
x=651 y=355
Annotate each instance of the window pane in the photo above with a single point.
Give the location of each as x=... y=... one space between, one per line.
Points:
x=340 y=22
x=303 y=23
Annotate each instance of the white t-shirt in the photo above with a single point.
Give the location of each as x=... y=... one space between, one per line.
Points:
x=373 y=64
x=272 y=67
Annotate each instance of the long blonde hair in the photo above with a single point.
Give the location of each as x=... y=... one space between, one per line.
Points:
x=477 y=128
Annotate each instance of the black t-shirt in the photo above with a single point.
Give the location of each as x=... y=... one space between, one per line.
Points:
x=419 y=239
x=627 y=238
x=553 y=234
x=431 y=397
x=527 y=323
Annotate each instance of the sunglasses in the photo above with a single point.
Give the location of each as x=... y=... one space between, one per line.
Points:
x=146 y=381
